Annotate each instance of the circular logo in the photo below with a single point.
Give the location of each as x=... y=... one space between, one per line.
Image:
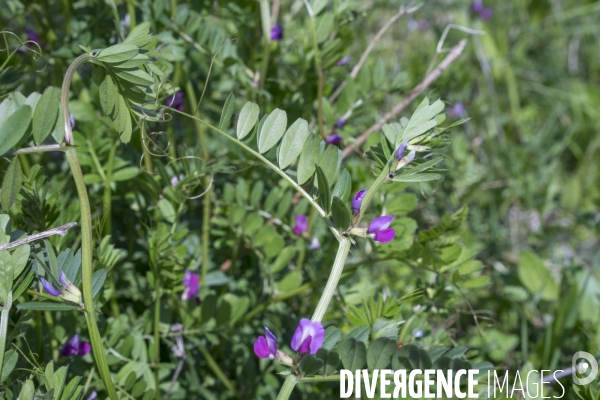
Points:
x=582 y=367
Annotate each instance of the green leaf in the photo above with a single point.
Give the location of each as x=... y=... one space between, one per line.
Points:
x=477 y=282
x=353 y=354
x=70 y=389
x=13 y=128
x=167 y=210
x=125 y=134
x=24 y=285
x=308 y=159
x=330 y=161
x=412 y=169
x=332 y=335
x=46 y=306
x=134 y=62
x=343 y=186
x=402 y=204
x=417 y=177
x=380 y=353
x=310 y=365
x=536 y=277
x=290 y=282
x=342 y=218
x=135 y=76
x=292 y=142
x=45 y=114
x=283 y=259
x=10 y=361
x=360 y=333
x=139 y=36
x=19 y=259
x=11 y=184
x=59 y=379
x=227 y=112
x=117 y=53
x=247 y=119
x=324 y=190
x=125 y=174
x=331 y=360
x=422 y=120
x=272 y=130
x=456 y=352
x=27 y=391
x=108 y=91
x=98 y=281
x=418 y=357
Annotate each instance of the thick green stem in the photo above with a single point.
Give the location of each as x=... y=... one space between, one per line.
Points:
x=4 y=327
x=87 y=244
x=287 y=388
x=265 y=17
x=157 y=341
x=334 y=279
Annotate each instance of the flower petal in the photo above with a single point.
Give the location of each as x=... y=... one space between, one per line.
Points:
x=357 y=201
x=260 y=347
x=380 y=223
x=401 y=149
x=385 y=235
x=271 y=341
x=305 y=346
x=317 y=338
x=49 y=288
x=84 y=348
x=301 y=333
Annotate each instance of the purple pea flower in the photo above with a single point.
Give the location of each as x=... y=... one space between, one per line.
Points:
x=486 y=14
x=266 y=346
x=175 y=101
x=308 y=337
x=277 y=33
x=49 y=288
x=336 y=138
x=340 y=123
x=343 y=61
x=477 y=6
x=457 y=110
x=74 y=347
x=301 y=225
x=357 y=201
x=93 y=395
x=380 y=229
x=191 y=281
x=400 y=151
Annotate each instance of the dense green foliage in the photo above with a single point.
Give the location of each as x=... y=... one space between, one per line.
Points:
x=201 y=139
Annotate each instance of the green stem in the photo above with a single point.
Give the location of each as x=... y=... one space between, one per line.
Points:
x=334 y=279
x=131 y=11
x=4 y=327
x=87 y=244
x=206 y=207
x=287 y=388
x=157 y=339
x=265 y=17
x=319 y=68
x=53 y=341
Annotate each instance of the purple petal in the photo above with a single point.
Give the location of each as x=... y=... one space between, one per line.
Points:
x=317 y=338
x=271 y=342
x=336 y=138
x=71 y=347
x=49 y=288
x=61 y=278
x=343 y=61
x=301 y=225
x=477 y=6
x=277 y=33
x=401 y=149
x=305 y=346
x=380 y=223
x=357 y=201
x=84 y=348
x=175 y=101
x=191 y=281
x=385 y=235
x=340 y=123
x=72 y=121
x=486 y=14
x=299 y=334
x=261 y=349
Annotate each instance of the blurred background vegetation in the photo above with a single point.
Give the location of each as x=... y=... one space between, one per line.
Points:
x=525 y=166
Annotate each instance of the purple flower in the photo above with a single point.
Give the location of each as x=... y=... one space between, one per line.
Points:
x=357 y=201
x=301 y=225
x=308 y=337
x=417 y=333
x=176 y=179
x=93 y=395
x=74 y=347
x=266 y=346
x=33 y=36
x=176 y=101
x=277 y=33
x=336 y=138
x=380 y=229
x=191 y=281
x=340 y=123
x=400 y=151
x=477 y=6
x=343 y=61
x=49 y=288
x=486 y=14
x=314 y=244
x=456 y=111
